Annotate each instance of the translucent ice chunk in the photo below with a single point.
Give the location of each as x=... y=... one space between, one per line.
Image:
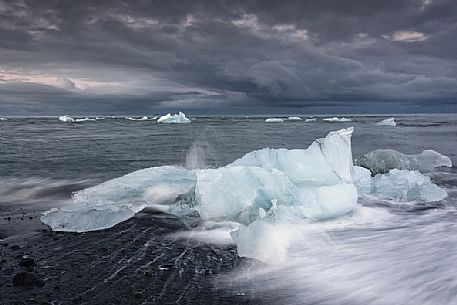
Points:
x=383 y=160
x=387 y=122
x=121 y=198
x=404 y=185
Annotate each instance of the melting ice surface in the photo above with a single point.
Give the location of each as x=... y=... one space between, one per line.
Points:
x=271 y=194
x=173 y=119
x=387 y=122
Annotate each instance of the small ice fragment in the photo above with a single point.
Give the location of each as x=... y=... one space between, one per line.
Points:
x=387 y=122
x=310 y=120
x=274 y=120
x=294 y=118
x=66 y=119
x=336 y=119
x=144 y=118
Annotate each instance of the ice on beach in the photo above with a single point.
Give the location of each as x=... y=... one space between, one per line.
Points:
x=310 y=120
x=387 y=122
x=66 y=119
x=336 y=119
x=314 y=182
x=121 y=198
x=144 y=118
x=383 y=160
x=398 y=185
x=173 y=119
x=294 y=118
x=274 y=120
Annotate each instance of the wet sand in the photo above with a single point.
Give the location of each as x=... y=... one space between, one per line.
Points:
x=136 y=262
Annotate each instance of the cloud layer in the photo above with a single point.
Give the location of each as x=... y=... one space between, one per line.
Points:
x=227 y=56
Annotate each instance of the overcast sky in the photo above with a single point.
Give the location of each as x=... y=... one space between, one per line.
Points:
x=144 y=57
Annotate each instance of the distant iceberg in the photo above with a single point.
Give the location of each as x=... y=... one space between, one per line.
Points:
x=144 y=118
x=310 y=120
x=85 y=120
x=294 y=118
x=336 y=119
x=383 y=160
x=66 y=119
x=274 y=120
x=3 y=119
x=173 y=119
x=387 y=122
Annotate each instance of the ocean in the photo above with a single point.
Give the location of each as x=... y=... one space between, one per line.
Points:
x=385 y=253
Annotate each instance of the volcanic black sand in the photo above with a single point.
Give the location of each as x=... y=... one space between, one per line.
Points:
x=136 y=262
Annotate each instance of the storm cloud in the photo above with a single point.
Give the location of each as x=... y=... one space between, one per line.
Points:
x=95 y=57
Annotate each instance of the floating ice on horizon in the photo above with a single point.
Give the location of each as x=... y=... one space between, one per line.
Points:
x=294 y=118
x=66 y=119
x=387 y=122
x=274 y=120
x=336 y=119
x=144 y=118
x=398 y=185
x=84 y=120
x=173 y=119
x=3 y=119
x=310 y=120
x=383 y=160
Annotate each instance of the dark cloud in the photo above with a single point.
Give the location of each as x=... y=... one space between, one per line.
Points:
x=227 y=56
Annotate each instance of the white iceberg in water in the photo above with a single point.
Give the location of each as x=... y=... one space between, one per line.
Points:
x=398 y=185
x=294 y=118
x=144 y=118
x=173 y=119
x=274 y=120
x=310 y=120
x=387 y=122
x=66 y=119
x=3 y=119
x=336 y=119
x=383 y=160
